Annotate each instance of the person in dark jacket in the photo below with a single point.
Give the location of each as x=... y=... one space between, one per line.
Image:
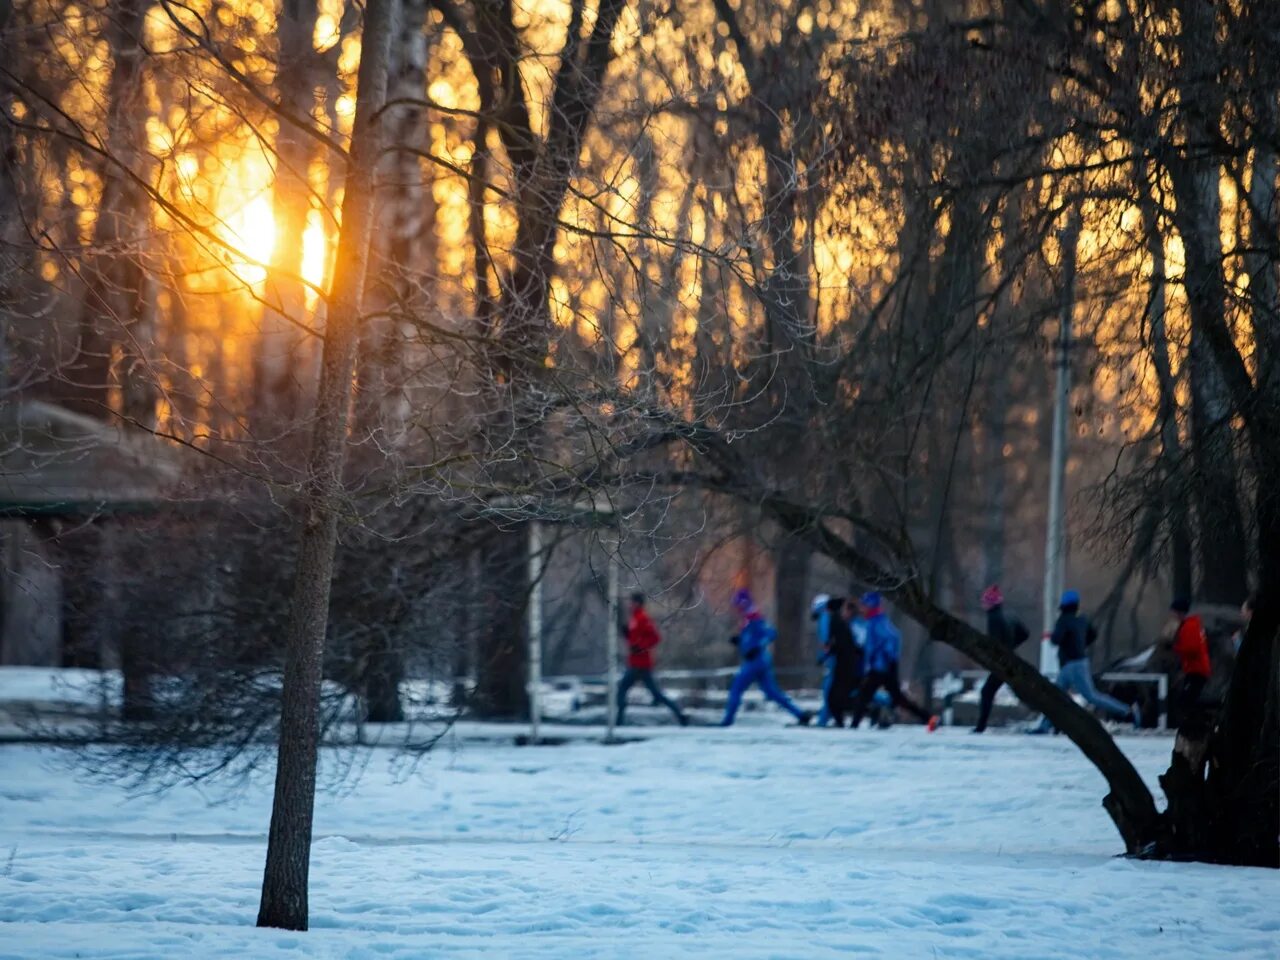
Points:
x=882 y=653
x=642 y=639
x=753 y=641
x=1006 y=630
x=1192 y=647
x=1072 y=635
x=845 y=657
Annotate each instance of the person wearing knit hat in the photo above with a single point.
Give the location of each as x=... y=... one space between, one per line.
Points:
x=1006 y=630
x=1072 y=635
x=753 y=641
x=880 y=660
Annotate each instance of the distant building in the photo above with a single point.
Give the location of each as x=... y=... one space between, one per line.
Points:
x=59 y=471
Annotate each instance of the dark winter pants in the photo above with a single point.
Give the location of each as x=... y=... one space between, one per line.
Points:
x=838 y=693
x=645 y=677
x=1191 y=718
x=987 y=698
x=887 y=679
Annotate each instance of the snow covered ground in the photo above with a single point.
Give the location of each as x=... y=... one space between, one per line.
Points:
x=759 y=841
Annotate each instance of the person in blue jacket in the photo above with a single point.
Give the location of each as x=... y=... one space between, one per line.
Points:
x=882 y=651
x=753 y=642
x=821 y=615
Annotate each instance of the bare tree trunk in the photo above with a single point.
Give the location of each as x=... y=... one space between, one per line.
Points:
x=790 y=583
x=114 y=308
x=1196 y=180
x=285 y=878
x=400 y=286
x=1170 y=442
x=1261 y=262
x=275 y=385
x=543 y=169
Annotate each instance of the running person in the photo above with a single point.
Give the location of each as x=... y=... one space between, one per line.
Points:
x=642 y=639
x=882 y=652
x=1006 y=630
x=1072 y=635
x=820 y=614
x=753 y=642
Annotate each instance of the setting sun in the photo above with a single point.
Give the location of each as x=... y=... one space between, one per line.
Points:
x=252 y=234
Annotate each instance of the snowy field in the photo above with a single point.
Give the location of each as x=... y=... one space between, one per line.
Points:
x=759 y=841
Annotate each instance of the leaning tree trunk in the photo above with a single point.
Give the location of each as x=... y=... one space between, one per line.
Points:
x=285 y=878
x=1129 y=802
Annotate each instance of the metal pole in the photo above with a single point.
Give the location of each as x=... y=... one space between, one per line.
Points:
x=1055 y=536
x=535 y=630
x=611 y=649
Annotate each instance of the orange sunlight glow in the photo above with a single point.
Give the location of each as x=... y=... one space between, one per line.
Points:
x=251 y=233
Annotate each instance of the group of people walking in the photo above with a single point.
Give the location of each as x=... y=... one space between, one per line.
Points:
x=860 y=649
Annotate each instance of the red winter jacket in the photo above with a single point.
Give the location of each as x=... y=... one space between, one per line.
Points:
x=642 y=637
x=1191 y=645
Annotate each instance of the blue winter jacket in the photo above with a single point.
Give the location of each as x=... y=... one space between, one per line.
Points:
x=824 y=636
x=884 y=644
x=754 y=638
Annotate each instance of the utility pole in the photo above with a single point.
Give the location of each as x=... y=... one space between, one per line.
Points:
x=1055 y=537
x=535 y=631
x=611 y=651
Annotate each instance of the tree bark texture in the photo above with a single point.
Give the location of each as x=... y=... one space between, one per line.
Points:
x=114 y=313
x=285 y=878
x=276 y=374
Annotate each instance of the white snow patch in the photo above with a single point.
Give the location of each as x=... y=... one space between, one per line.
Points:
x=758 y=841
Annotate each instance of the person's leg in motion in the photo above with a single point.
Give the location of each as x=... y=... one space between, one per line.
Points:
x=743 y=679
x=872 y=682
x=1063 y=683
x=824 y=714
x=837 y=698
x=624 y=687
x=769 y=686
x=986 y=700
x=660 y=697
x=1082 y=680
x=901 y=700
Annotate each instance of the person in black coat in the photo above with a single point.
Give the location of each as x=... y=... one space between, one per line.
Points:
x=846 y=660
x=1006 y=630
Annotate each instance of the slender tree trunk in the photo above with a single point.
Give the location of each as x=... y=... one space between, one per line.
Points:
x=791 y=581
x=1261 y=263
x=276 y=378
x=543 y=173
x=114 y=311
x=1170 y=442
x=285 y=878
x=1196 y=178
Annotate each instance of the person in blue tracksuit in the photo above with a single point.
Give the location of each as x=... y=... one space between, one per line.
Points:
x=881 y=655
x=753 y=642
x=821 y=616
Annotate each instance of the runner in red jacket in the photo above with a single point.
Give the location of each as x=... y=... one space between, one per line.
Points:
x=642 y=639
x=1192 y=647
